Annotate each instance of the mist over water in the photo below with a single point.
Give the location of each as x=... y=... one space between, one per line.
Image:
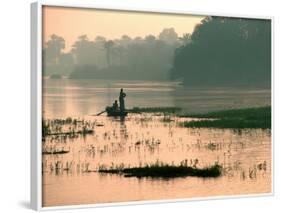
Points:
x=65 y=97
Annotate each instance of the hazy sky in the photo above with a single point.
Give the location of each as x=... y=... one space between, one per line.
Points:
x=73 y=22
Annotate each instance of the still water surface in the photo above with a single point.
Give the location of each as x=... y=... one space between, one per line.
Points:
x=142 y=139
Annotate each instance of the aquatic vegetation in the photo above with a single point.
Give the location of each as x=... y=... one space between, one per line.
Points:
x=66 y=127
x=213 y=146
x=58 y=167
x=235 y=118
x=54 y=149
x=161 y=170
x=234 y=113
x=167 y=118
x=154 y=109
x=54 y=152
x=145 y=118
x=120 y=149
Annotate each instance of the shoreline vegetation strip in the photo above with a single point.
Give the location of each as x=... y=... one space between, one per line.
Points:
x=259 y=117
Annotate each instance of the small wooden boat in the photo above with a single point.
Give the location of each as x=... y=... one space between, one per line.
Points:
x=115 y=113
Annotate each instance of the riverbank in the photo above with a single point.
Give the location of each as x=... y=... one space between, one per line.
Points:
x=259 y=117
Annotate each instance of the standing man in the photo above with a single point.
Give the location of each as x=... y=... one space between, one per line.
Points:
x=121 y=100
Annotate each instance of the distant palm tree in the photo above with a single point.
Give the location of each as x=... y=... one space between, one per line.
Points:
x=54 y=47
x=108 y=45
x=186 y=38
x=119 y=51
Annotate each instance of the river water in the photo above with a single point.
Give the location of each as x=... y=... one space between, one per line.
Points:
x=141 y=139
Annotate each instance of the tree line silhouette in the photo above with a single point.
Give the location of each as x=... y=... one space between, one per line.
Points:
x=226 y=51
x=125 y=58
x=220 y=51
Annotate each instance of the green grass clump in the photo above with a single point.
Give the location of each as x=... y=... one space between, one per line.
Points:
x=235 y=118
x=166 y=171
x=154 y=109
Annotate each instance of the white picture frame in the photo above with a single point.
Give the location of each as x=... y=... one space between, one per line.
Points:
x=36 y=101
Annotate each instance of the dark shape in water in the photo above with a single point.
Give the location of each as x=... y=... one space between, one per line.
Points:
x=112 y=112
x=54 y=152
x=258 y=117
x=166 y=171
x=122 y=101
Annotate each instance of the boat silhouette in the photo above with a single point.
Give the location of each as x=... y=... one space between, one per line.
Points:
x=113 y=112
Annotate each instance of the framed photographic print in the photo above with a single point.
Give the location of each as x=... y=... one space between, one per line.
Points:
x=133 y=106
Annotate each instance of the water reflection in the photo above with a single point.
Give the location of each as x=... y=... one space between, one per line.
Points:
x=66 y=97
x=123 y=129
x=140 y=139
